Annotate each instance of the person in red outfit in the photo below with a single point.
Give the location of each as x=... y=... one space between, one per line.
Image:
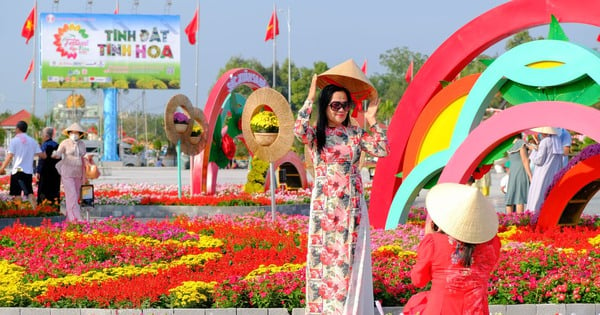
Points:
x=458 y=253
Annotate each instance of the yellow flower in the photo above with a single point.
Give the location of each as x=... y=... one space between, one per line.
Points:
x=262 y=269
x=264 y=122
x=192 y=293
x=196 y=131
x=595 y=241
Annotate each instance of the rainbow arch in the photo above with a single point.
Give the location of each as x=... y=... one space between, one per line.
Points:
x=452 y=56
x=573 y=62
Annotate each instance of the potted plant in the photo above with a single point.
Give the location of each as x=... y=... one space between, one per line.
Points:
x=265 y=127
x=181 y=121
x=195 y=135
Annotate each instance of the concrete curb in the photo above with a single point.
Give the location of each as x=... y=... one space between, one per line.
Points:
x=534 y=309
x=160 y=212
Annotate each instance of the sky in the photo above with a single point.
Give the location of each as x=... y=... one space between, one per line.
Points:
x=331 y=31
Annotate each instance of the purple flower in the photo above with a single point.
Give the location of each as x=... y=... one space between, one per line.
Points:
x=180 y=118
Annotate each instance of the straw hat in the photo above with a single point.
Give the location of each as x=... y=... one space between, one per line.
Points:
x=348 y=75
x=546 y=130
x=462 y=212
x=75 y=127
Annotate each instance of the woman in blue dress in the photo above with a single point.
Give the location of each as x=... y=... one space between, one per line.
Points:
x=519 y=178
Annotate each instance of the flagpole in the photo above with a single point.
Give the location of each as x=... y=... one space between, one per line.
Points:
x=197 y=50
x=412 y=68
x=274 y=40
x=271 y=165
x=35 y=30
x=289 y=24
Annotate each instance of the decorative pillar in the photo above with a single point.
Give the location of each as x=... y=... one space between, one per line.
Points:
x=110 y=125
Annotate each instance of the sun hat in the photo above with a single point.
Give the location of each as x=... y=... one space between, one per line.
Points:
x=546 y=130
x=75 y=127
x=348 y=75
x=462 y=212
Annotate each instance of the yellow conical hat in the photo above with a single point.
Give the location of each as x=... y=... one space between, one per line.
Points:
x=347 y=74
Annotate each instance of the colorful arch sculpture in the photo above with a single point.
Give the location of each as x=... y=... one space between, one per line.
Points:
x=443 y=65
x=430 y=134
x=576 y=61
x=560 y=207
x=212 y=109
x=292 y=158
x=502 y=125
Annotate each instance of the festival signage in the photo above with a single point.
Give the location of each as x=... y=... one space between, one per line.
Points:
x=80 y=50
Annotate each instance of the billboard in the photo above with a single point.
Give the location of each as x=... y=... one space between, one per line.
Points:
x=80 y=50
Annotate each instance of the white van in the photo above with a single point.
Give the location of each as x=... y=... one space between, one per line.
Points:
x=128 y=157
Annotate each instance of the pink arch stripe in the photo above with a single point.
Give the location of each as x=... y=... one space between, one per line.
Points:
x=485 y=137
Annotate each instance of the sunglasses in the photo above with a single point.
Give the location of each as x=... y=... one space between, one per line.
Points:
x=335 y=106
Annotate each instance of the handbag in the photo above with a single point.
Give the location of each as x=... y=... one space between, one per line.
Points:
x=91 y=170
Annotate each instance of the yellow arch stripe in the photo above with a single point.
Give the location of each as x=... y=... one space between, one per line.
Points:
x=545 y=64
x=439 y=135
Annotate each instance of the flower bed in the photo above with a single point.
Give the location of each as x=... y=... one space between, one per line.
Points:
x=227 y=195
x=250 y=261
x=152 y=194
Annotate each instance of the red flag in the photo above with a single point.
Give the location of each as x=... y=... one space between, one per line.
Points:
x=29 y=27
x=192 y=28
x=364 y=67
x=273 y=27
x=28 y=71
x=409 y=72
x=117 y=8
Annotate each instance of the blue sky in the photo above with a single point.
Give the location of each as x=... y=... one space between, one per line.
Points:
x=330 y=31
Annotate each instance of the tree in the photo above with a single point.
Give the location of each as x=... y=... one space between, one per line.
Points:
x=520 y=38
x=392 y=84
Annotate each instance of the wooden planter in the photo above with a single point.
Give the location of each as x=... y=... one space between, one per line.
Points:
x=194 y=139
x=181 y=128
x=265 y=138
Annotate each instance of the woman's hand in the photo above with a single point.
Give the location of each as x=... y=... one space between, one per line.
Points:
x=371 y=113
x=312 y=91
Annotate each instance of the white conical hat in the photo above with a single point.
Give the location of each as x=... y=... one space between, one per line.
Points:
x=75 y=127
x=348 y=75
x=462 y=212
x=547 y=130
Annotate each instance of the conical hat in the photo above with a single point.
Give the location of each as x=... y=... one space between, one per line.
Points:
x=75 y=127
x=347 y=74
x=546 y=130
x=462 y=212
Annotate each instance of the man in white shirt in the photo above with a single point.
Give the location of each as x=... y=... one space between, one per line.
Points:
x=21 y=151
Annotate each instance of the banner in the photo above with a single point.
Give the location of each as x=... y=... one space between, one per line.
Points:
x=80 y=50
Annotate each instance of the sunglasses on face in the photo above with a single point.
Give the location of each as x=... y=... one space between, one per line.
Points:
x=335 y=106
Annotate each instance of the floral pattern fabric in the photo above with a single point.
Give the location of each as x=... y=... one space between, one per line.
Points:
x=337 y=207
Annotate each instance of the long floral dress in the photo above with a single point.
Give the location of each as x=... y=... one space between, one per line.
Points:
x=339 y=276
